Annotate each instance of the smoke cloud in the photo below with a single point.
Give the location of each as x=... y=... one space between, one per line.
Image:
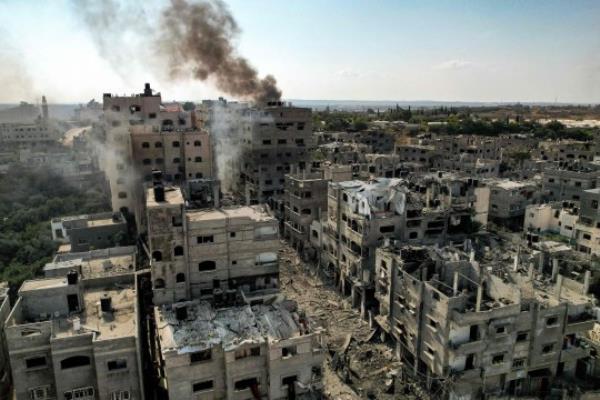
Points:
x=195 y=41
x=15 y=81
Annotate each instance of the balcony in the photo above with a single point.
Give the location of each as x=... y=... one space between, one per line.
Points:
x=474 y=346
x=580 y=323
x=575 y=353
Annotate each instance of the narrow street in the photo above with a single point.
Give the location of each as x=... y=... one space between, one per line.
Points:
x=355 y=351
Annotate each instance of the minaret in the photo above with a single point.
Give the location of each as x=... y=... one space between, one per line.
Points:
x=44 y=109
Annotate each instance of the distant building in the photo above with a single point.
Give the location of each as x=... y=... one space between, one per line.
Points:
x=86 y=232
x=508 y=200
x=275 y=138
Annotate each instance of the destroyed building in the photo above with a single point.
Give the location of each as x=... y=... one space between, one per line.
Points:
x=362 y=215
x=245 y=352
x=93 y=231
x=508 y=200
x=215 y=254
x=275 y=138
x=578 y=222
x=566 y=150
x=75 y=333
x=568 y=181
x=466 y=330
x=305 y=200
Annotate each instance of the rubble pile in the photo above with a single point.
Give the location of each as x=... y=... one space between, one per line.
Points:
x=360 y=366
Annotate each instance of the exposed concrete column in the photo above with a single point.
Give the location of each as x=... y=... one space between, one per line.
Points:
x=558 y=288
x=530 y=271
x=479 y=298
x=554 y=268
x=455 y=284
x=586 y=281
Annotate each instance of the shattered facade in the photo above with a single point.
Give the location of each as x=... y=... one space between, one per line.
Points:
x=245 y=352
x=472 y=331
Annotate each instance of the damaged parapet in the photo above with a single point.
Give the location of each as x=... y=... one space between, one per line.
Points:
x=490 y=330
x=261 y=351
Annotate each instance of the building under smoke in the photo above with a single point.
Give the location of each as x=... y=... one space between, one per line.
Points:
x=277 y=138
x=141 y=135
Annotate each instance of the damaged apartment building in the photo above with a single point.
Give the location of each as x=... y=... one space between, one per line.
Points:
x=74 y=334
x=577 y=222
x=140 y=133
x=275 y=138
x=362 y=216
x=223 y=329
x=468 y=331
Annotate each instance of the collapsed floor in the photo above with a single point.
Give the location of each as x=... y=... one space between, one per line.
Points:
x=359 y=365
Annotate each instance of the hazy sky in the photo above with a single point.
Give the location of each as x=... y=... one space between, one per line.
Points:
x=336 y=49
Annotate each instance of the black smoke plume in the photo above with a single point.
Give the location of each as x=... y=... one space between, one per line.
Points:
x=195 y=40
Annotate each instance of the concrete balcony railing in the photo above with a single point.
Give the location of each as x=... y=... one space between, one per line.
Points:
x=574 y=353
x=474 y=346
x=580 y=323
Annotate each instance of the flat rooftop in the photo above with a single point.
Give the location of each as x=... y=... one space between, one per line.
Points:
x=509 y=185
x=173 y=196
x=95 y=263
x=206 y=327
x=45 y=283
x=254 y=213
x=119 y=323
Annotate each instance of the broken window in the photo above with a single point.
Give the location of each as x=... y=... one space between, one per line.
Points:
x=74 y=362
x=207 y=266
x=289 y=351
x=159 y=283
x=288 y=381
x=247 y=352
x=146 y=161
x=518 y=363
x=522 y=336
x=498 y=358
x=552 y=321
x=35 y=362
x=145 y=145
x=202 y=386
x=176 y=143
x=197 y=143
x=122 y=195
x=157 y=255
x=117 y=364
x=386 y=229
x=198 y=159
x=180 y=277
x=548 y=348
x=201 y=356
x=158 y=145
x=205 y=239
x=178 y=251
x=245 y=384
